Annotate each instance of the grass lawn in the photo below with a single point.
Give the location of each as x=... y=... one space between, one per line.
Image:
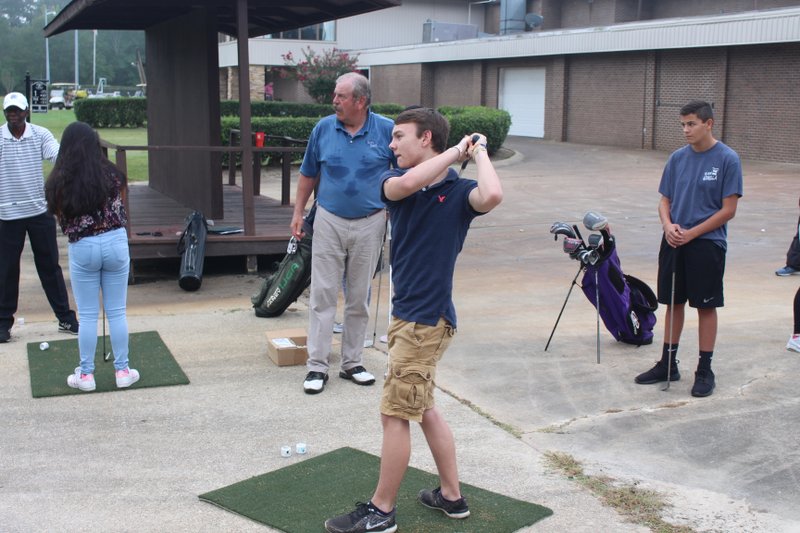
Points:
x=57 y=120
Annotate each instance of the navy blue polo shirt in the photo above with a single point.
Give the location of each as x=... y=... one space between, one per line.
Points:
x=428 y=232
x=349 y=166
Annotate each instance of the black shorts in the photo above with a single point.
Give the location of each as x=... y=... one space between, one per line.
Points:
x=699 y=268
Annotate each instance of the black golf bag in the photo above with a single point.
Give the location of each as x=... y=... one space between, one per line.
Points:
x=291 y=278
x=192 y=249
x=627 y=304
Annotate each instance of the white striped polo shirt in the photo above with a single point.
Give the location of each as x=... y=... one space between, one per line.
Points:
x=21 y=175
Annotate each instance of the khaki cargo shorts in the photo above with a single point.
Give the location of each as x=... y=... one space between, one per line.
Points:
x=414 y=350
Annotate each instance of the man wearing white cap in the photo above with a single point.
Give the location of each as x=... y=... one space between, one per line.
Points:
x=23 y=210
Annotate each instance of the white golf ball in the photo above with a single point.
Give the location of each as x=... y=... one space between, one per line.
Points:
x=44 y=346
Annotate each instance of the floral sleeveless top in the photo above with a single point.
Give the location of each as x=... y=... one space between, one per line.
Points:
x=110 y=217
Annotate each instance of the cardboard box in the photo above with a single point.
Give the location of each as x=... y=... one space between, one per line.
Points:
x=287 y=347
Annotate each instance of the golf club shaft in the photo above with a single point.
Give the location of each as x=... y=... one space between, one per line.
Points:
x=671 y=322
x=597 y=306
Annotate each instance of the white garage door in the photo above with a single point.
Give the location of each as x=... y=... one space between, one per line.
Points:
x=522 y=95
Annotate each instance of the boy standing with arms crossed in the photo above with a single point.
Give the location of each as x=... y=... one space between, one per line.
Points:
x=431 y=210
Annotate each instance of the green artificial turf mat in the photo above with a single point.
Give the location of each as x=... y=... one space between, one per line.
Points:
x=148 y=354
x=300 y=497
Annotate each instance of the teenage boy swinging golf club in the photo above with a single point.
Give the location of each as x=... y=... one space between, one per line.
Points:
x=431 y=210
x=700 y=188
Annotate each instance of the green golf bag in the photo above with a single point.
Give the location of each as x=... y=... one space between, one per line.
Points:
x=293 y=276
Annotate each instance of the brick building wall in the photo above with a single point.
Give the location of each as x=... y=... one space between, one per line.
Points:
x=605 y=99
x=581 y=14
x=693 y=8
x=400 y=84
x=556 y=83
x=762 y=112
x=681 y=76
x=458 y=83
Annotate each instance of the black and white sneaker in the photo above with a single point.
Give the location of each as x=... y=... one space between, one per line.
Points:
x=365 y=519
x=434 y=500
x=358 y=374
x=314 y=382
x=68 y=326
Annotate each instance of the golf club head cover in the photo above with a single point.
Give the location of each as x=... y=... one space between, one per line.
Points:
x=594 y=221
x=562 y=228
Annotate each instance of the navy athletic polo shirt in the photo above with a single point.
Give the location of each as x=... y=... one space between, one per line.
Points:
x=428 y=232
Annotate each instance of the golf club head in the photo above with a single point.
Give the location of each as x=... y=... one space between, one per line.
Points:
x=588 y=257
x=562 y=228
x=572 y=245
x=594 y=221
x=595 y=241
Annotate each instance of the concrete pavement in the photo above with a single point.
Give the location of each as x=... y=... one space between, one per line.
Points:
x=136 y=460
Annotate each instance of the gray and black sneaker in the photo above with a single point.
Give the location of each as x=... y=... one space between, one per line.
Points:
x=434 y=500
x=365 y=519
x=68 y=326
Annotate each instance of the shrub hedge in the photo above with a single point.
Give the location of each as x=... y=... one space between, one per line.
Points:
x=116 y=112
x=493 y=123
x=290 y=119
x=230 y=108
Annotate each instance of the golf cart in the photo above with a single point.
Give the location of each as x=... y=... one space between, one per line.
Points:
x=62 y=95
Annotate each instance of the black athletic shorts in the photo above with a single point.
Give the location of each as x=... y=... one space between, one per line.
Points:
x=699 y=268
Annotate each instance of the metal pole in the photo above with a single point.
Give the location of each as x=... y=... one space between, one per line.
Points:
x=76 y=61
x=46 y=51
x=94 y=56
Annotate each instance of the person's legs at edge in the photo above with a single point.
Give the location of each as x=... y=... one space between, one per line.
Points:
x=707 y=329
x=327 y=266
x=363 y=243
x=42 y=234
x=116 y=265
x=12 y=241
x=443 y=448
x=85 y=264
x=794 y=340
x=395 y=455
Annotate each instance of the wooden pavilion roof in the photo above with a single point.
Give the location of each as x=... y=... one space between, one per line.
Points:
x=264 y=16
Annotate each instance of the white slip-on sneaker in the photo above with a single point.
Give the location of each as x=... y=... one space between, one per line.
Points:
x=127 y=377
x=794 y=343
x=84 y=382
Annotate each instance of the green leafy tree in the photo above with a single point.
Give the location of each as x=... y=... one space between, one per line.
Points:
x=318 y=72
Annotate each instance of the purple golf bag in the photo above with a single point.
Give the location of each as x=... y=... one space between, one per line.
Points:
x=627 y=304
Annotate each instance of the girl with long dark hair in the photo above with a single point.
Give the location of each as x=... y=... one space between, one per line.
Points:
x=85 y=191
